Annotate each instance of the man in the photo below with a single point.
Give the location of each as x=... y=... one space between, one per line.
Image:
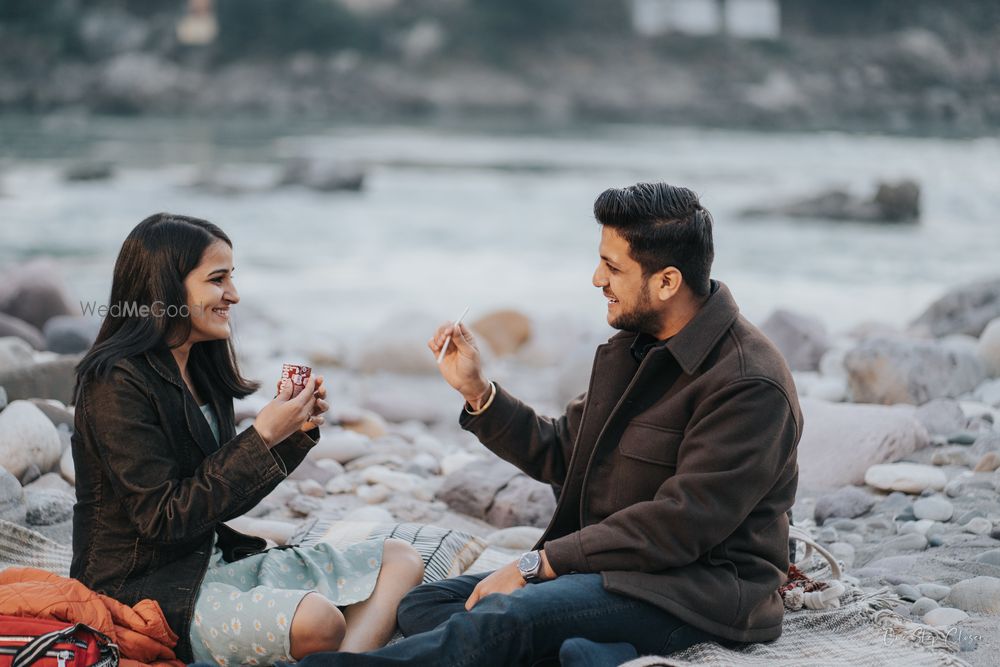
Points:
x=675 y=471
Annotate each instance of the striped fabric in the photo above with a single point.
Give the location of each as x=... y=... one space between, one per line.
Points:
x=446 y=553
x=23 y=547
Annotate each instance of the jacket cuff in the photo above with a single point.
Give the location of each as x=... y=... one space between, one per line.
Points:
x=262 y=456
x=288 y=453
x=566 y=555
x=495 y=421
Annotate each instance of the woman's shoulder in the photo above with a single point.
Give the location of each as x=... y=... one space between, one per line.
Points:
x=123 y=374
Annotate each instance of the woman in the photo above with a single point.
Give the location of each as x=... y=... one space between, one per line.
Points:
x=160 y=468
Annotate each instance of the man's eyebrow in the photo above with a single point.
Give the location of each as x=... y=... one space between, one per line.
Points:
x=608 y=259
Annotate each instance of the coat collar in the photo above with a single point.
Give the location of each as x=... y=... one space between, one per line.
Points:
x=691 y=345
x=163 y=362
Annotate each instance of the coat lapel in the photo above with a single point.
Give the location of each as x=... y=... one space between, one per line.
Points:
x=163 y=363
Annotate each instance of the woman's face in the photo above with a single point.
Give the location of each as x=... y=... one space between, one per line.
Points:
x=210 y=293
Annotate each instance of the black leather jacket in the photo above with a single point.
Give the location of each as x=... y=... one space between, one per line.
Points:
x=153 y=486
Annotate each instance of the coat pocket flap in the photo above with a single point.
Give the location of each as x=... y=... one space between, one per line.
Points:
x=651 y=444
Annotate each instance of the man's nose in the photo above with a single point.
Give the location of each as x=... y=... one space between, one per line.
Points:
x=599 y=279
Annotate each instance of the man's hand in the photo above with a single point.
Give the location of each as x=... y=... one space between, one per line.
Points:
x=461 y=366
x=505 y=581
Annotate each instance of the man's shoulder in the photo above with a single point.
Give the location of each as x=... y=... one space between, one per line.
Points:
x=754 y=355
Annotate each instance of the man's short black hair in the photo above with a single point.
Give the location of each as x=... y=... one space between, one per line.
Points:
x=664 y=225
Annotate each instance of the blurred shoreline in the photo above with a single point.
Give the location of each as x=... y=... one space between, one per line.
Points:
x=917 y=74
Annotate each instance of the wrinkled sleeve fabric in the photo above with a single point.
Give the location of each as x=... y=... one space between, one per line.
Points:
x=540 y=446
x=145 y=474
x=731 y=455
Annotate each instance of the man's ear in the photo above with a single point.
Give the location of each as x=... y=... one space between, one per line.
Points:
x=668 y=282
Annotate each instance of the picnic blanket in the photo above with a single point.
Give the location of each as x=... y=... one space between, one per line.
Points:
x=864 y=631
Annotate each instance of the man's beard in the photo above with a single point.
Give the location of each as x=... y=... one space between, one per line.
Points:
x=642 y=318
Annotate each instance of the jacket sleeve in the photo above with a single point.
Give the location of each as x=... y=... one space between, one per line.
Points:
x=540 y=446
x=145 y=474
x=730 y=457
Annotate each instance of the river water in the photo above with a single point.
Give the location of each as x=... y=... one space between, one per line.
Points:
x=492 y=218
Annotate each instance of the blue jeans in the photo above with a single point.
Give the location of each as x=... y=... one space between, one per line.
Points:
x=527 y=627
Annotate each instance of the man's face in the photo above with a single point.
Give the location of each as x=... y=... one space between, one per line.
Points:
x=630 y=297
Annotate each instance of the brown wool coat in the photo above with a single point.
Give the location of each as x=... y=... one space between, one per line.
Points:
x=675 y=474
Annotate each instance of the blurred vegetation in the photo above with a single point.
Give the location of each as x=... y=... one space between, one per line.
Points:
x=275 y=28
x=267 y=28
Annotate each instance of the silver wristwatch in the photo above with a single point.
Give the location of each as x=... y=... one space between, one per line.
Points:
x=530 y=566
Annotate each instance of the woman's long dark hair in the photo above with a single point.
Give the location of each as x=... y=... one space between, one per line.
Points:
x=154 y=261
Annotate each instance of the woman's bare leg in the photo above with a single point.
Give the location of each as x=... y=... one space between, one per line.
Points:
x=318 y=625
x=370 y=624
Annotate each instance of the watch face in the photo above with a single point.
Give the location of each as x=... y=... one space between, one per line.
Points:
x=529 y=562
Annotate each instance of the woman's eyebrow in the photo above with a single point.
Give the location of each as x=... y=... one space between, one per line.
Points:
x=222 y=271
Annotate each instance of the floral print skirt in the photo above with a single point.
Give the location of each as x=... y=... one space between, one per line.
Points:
x=244 y=609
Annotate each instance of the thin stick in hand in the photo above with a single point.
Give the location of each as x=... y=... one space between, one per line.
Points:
x=444 y=348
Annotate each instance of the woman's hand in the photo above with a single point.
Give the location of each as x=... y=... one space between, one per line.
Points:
x=285 y=415
x=316 y=418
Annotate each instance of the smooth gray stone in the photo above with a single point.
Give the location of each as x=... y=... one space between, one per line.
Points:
x=968 y=516
x=13 y=506
x=848 y=502
x=991 y=557
x=936 y=592
x=962 y=438
x=47 y=508
x=922 y=606
x=933 y=508
x=908 y=592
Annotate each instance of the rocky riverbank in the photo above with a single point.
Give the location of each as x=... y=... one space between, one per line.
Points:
x=899 y=458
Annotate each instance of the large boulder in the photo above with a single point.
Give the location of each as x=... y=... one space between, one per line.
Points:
x=892 y=202
x=325 y=176
x=68 y=334
x=966 y=309
x=505 y=331
x=801 y=339
x=89 y=170
x=15 y=353
x=979 y=594
x=988 y=348
x=45 y=379
x=846 y=503
x=27 y=437
x=471 y=489
x=898 y=370
x=907 y=477
x=33 y=293
x=841 y=441
x=523 y=502
x=12 y=326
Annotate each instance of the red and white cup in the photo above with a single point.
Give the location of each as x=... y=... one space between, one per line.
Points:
x=297 y=374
